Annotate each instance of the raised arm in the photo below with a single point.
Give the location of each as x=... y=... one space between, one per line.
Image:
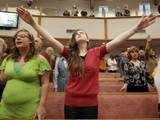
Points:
x=143 y=23
x=28 y=18
x=147 y=46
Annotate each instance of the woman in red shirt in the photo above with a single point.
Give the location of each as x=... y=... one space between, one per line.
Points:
x=81 y=101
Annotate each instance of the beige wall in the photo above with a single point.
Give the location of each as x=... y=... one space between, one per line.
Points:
x=96 y=28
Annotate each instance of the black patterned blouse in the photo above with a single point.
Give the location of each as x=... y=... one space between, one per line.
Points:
x=135 y=74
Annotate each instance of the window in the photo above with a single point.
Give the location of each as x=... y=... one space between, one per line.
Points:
x=103 y=10
x=144 y=8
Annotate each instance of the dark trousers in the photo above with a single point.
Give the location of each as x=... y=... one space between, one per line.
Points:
x=81 y=112
x=131 y=88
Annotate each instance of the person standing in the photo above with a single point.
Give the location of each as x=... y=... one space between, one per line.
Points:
x=27 y=78
x=61 y=74
x=3 y=48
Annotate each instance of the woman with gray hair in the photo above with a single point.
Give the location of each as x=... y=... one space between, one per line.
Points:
x=3 y=47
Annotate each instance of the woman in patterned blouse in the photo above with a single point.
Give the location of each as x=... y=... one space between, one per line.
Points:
x=135 y=73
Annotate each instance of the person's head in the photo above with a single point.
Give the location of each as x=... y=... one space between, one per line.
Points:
x=118 y=8
x=125 y=53
x=125 y=6
x=112 y=56
x=151 y=54
x=38 y=43
x=133 y=53
x=49 y=51
x=23 y=41
x=141 y=47
x=78 y=38
x=3 y=46
x=141 y=53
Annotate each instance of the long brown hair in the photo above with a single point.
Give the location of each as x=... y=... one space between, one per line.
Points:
x=75 y=62
x=15 y=52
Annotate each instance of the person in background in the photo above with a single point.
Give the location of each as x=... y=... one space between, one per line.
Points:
x=122 y=59
x=135 y=73
x=27 y=78
x=84 y=13
x=49 y=55
x=3 y=48
x=38 y=44
x=112 y=64
x=61 y=74
x=103 y=65
x=150 y=60
x=75 y=11
x=126 y=11
x=118 y=12
x=141 y=53
x=156 y=75
x=150 y=56
x=81 y=94
x=66 y=13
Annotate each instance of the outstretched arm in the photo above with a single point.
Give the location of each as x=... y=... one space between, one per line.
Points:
x=28 y=18
x=143 y=23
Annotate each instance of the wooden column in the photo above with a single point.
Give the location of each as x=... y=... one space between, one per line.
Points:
x=105 y=29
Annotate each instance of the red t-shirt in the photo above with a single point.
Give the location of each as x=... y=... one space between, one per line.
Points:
x=83 y=90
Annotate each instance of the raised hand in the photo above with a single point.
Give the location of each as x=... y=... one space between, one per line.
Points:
x=25 y=15
x=146 y=21
x=149 y=38
x=124 y=88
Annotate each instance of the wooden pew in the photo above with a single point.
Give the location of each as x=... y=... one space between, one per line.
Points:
x=112 y=75
x=128 y=105
x=113 y=86
x=110 y=79
x=112 y=105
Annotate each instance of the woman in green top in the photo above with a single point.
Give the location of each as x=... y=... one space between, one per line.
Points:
x=27 y=81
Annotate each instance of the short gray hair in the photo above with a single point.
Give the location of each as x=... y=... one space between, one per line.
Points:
x=3 y=45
